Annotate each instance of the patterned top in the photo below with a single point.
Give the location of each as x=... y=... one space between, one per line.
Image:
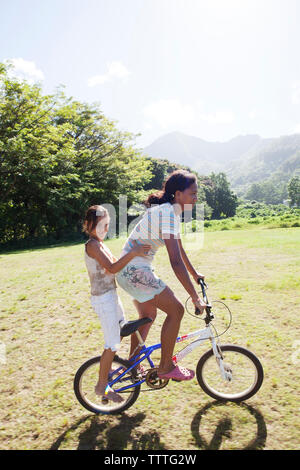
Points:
x=101 y=280
x=155 y=226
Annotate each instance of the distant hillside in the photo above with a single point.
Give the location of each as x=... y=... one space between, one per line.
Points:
x=199 y=154
x=245 y=159
x=277 y=159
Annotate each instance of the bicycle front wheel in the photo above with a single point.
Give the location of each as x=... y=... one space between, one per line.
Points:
x=87 y=376
x=244 y=374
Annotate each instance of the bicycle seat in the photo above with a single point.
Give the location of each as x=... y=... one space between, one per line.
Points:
x=131 y=326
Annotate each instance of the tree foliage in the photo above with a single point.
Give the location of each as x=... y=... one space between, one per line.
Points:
x=219 y=196
x=57 y=157
x=294 y=191
x=269 y=192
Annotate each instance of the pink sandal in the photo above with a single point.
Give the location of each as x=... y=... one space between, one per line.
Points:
x=178 y=373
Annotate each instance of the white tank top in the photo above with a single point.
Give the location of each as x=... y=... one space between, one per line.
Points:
x=101 y=280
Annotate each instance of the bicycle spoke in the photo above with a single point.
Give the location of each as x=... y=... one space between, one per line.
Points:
x=242 y=377
x=88 y=380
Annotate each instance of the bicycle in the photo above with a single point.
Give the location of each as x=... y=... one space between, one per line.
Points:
x=235 y=380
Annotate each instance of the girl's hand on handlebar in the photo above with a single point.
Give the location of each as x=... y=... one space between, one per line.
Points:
x=198 y=276
x=199 y=304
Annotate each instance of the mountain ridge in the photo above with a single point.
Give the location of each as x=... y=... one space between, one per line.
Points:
x=245 y=158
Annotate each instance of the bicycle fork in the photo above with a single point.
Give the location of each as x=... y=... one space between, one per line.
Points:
x=204 y=335
x=225 y=369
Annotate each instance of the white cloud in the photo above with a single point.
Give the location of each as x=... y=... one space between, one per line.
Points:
x=115 y=69
x=296 y=92
x=219 y=117
x=25 y=69
x=171 y=112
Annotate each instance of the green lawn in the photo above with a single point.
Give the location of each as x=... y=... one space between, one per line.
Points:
x=48 y=329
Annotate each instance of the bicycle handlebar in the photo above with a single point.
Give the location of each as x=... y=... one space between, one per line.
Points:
x=203 y=286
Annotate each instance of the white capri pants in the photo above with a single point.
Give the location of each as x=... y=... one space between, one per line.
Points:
x=110 y=311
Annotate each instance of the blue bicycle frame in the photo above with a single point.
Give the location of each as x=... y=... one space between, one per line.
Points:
x=145 y=353
x=202 y=335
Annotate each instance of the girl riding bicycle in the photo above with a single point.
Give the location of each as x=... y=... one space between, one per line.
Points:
x=160 y=226
x=102 y=266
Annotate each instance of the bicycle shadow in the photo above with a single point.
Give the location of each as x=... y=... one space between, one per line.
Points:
x=104 y=435
x=224 y=428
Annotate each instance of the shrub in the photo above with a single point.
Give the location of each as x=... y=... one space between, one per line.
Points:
x=256 y=221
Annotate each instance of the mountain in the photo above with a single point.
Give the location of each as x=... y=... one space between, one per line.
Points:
x=199 y=154
x=245 y=159
x=277 y=158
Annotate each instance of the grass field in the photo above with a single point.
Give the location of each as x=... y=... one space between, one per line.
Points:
x=48 y=329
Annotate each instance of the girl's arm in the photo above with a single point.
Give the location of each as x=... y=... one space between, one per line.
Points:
x=94 y=250
x=178 y=265
x=188 y=264
x=179 y=269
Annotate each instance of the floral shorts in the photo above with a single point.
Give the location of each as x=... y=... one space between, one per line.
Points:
x=140 y=282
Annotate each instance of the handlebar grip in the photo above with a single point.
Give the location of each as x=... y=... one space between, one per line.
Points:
x=201 y=281
x=197 y=311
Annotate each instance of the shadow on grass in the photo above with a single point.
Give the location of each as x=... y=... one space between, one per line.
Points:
x=224 y=428
x=102 y=433
x=38 y=247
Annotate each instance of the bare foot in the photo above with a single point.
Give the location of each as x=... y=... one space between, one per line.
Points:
x=108 y=394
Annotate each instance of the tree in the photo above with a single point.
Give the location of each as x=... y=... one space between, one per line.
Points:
x=268 y=191
x=160 y=169
x=57 y=157
x=294 y=191
x=219 y=196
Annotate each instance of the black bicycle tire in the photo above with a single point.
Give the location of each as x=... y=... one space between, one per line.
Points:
x=86 y=365
x=241 y=350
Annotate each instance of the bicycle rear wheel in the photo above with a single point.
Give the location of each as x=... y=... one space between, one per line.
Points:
x=87 y=376
x=243 y=370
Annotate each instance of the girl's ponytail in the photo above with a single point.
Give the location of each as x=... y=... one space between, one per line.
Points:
x=179 y=180
x=160 y=197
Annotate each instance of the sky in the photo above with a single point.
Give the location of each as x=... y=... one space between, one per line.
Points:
x=213 y=69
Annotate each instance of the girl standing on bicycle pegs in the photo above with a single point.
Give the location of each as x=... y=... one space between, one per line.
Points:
x=160 y=226
x=102 y=266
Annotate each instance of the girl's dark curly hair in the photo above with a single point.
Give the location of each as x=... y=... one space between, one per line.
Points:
x=179 y=180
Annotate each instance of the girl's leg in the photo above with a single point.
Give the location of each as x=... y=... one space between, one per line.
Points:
x=105 y=365
x=110 y=311
x=168 y=303
x=145 y=309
